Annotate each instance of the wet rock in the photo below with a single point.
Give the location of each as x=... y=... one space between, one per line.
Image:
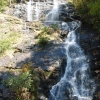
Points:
x=60 y=95
x=1 y=92
x=66 y=11
x=91 y=45
x=64 y=34
x=63 y=66
x=75 y=98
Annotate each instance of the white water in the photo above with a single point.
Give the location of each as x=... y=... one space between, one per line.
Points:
x=29 y=10
x=53 y=15
x=56 y=3
x=76 y=84
x=37 y=10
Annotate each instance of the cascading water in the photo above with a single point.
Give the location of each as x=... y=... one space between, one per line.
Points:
x=53 y=14
x=76 y=84
x=29 y=10
x=37 y=10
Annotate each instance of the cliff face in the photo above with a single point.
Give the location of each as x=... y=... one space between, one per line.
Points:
x=24 y=48
x=90 y=42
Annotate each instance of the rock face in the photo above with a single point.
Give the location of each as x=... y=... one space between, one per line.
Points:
x=38 y=10
x=50 y=57
x=65 y=12
x=90 y=42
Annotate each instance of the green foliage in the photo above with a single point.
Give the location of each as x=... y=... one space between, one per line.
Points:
x=43 y=37
x=55 y=27
x=43 y=41
x=46 y=30
x=25 y=85
x=5 y=43
x=3 y=4
x=90 y=11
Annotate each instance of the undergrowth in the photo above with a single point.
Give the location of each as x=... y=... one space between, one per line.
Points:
x=25 y=85
x=89 y=11
x=7 y=42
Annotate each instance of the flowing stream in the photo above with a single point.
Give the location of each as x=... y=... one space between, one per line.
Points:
x=76 y=83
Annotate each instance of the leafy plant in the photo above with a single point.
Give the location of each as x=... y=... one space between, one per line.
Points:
x=25 y=85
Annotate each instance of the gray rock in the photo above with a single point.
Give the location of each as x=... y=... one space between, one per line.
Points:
x=6 y=93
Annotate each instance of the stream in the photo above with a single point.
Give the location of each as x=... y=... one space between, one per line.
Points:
x=76 y=83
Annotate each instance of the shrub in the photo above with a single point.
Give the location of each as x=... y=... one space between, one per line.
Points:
x=46 y=30
x=25 y=85
x=3 y=4
x=89 y=11
x=55 y=27
x=43 y=41
x=5 y=43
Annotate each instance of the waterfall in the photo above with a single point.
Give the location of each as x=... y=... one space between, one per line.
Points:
x=53 y=14
x=29 y=10
x=37 y=11
x=55 y=2
x=77 y=83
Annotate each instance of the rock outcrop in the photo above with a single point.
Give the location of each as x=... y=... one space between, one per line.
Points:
x=90 y=42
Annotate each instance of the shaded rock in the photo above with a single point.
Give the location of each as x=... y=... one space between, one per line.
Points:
x=49 y=57
x=64 y=34
x=76 y=17
x=1 y=92
x=6 y=93
x=65 y=12
x=90 y=43
x=63 y=66
x=47 y=79
x=75 y=98
x=65 y=86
